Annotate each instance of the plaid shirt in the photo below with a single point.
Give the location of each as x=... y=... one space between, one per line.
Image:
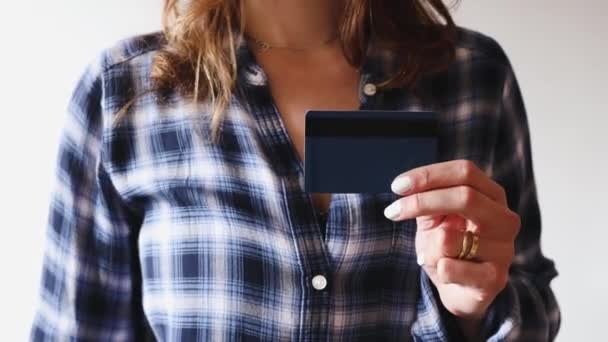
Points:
x=156 y=233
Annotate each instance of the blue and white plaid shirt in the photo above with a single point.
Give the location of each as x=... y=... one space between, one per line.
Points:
x=156 y=233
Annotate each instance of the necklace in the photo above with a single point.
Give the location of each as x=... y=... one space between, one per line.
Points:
x=265 y=46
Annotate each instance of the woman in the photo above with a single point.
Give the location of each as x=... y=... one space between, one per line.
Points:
x=179 y=212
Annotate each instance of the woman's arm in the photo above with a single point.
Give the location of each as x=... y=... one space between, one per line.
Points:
x=90 y=279
x=526 y=308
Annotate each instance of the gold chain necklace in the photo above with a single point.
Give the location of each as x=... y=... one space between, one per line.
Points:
x=265 y=46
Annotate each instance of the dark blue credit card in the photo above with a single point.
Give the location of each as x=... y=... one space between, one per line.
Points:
x=363 y=151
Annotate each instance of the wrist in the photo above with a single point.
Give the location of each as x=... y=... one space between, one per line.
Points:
x=471 y=328
x=479 y=327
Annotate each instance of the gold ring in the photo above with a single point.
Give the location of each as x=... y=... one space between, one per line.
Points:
x=474 y=247
x=466 y=245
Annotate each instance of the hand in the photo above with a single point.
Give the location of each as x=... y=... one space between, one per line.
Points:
x=447 y=199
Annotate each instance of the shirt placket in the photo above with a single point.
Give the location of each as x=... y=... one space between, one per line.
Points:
x=317 y=263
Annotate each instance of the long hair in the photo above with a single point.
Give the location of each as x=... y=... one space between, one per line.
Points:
x=198 y=59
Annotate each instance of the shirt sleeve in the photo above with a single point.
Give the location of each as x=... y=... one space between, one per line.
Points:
x=526 y=310
x=90 y=281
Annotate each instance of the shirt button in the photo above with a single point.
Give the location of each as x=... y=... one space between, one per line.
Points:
x=319 y=282
x=369 y=89
x=256 y=76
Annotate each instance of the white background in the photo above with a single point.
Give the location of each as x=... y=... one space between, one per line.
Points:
x=559 y=49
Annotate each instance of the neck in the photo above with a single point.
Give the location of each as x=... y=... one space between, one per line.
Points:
x=293 y=23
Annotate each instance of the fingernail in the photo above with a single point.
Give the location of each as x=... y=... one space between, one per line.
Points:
x=401 y=184
x=392 y=211
x=420 y=259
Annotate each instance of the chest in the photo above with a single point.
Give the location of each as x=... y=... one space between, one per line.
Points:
x=299 y=86
x=300 y=83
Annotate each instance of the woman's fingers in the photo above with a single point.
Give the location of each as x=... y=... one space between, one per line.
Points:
x=447 y=242
x=430 y=222
x=493 y=219
x=448 y=174
x=484 y=276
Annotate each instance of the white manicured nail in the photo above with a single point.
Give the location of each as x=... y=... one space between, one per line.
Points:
x=420 y=259
x=401 y=184
x=392 y=211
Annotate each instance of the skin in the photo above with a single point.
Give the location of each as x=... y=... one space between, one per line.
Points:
x=317 y=78
x=445 y=198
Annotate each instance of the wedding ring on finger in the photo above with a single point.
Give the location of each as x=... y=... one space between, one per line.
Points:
x=474 y=247
x=466 y=244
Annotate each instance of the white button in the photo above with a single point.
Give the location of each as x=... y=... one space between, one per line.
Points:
x=256 y=76
x=369 y=89
x=319 y=282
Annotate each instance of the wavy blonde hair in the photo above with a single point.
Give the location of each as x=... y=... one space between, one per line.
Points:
x=198 y=57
